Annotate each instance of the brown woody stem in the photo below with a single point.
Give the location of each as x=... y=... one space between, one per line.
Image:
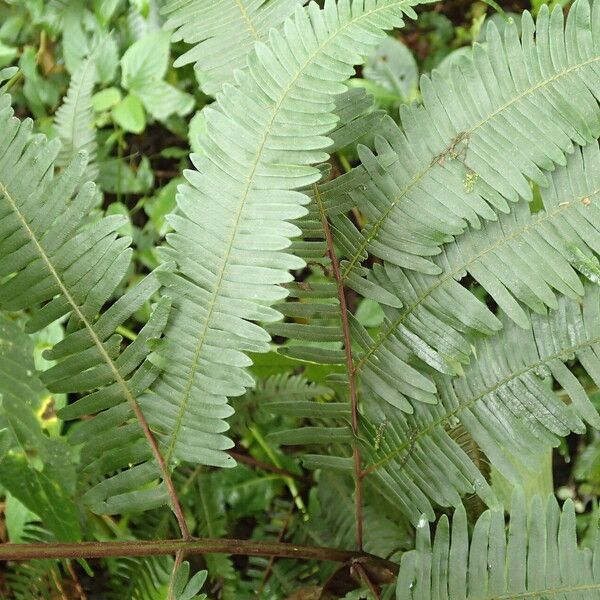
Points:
x=193 y=546
x=164 y=471
x=335 y=266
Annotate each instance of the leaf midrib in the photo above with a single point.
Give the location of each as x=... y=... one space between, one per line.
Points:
x=247 y=20
x=435 y=160
x=244 y=196
x=417 y=435
x=118 y=378
x=463 y=267
x=65 y=292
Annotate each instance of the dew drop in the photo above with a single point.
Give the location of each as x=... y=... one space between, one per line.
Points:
x=542 y=371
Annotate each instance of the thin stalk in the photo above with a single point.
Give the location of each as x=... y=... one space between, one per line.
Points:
x=12 y=81
x=181 y=553
x=367 y=581
x=335 y=266
x=59 y=550
x=178 y=560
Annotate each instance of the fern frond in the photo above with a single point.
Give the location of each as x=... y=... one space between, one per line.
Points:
x=261 y=138
x=285 y=388
x=521 y=260
x=62 y=265
x=537 y=558
x=74 y=120
x=141 y=578
x=312 y=311
x=223 y=33
x=504 y=400
x=334 y=525
x=479 y=138
x=277 y=394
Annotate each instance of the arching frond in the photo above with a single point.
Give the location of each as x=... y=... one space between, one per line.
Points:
x=521 y=260
x=223 y=33
x=233 y=225
x=74 y=120
x=538 y=557
x=60 y=264
x=480 y=136
x=503 y=400
x=141 y=578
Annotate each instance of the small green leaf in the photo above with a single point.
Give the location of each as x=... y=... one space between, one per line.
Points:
x=118 y=208
x=158 y=207
x=106 y=99
x=163 y=100
x=145 y=61
x=188 y=590
x=7 y=54
x=130 y=115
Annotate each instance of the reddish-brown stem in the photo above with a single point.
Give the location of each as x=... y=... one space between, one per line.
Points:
x=335 y=266
x=193 y=546
x=118 y=378
x=366 y=580
x=178 y=561
x=164 y=471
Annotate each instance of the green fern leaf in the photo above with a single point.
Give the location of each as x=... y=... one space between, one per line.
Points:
x=521 y=260
x=223 y=33
x=503 y=118
x=260 y=139
x=74 y=120
x=503 y=400
x=64 y=265
x=537 y=558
